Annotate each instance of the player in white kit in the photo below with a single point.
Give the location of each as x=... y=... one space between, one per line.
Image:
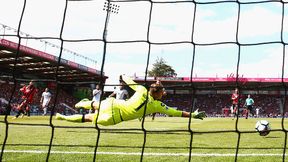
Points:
x=97 y=92
x=121 y=93
x=45 y=99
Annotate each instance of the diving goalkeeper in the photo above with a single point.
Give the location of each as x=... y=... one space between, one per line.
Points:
x=112 y=111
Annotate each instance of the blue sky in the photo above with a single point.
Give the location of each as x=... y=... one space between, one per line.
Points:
x=214 y=23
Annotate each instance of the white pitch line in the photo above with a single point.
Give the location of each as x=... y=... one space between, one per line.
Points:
x=137 y=153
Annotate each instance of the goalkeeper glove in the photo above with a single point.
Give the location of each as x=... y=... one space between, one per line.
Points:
x=198 y=115
x=121 y=79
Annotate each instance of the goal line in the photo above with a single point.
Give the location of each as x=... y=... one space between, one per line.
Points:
x=137 y=153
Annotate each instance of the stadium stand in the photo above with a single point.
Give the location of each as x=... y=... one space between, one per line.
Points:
x=38 y=64
x=63 y=97
x=214 y=100
x=29 y=63
x=43 y=65
x=214 y=104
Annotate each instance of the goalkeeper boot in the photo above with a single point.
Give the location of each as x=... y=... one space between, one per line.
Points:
x=199 y=115
x=85 y=103
x=73 y=118
x=59 y=116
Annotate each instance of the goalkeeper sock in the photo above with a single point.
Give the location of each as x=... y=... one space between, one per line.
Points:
x=75 y=118
x=193 y=115
x=85 y=103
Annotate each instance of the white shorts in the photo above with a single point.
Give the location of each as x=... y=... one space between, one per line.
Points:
x=45 y=104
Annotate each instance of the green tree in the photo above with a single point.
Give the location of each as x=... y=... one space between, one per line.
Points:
x=161 y=69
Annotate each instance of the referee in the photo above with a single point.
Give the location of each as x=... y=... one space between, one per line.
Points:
x=249 y=105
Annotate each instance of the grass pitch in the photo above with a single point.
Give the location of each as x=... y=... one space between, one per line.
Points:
x=167 y=139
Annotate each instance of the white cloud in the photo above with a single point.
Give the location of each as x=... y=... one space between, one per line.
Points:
x=259 y=22
x=10 y=11
x=171 y=22
x=168 y=23
x=209 y=31
x=270 y=65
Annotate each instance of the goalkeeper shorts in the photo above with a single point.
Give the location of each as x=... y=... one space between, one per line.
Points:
x=108 y=115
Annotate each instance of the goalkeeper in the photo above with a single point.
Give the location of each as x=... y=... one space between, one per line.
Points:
x=112 y=111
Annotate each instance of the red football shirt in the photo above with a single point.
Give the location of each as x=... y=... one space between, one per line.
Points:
x=235 y=98
x=28 y=93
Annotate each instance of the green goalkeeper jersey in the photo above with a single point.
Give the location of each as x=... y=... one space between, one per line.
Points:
x=134 y=107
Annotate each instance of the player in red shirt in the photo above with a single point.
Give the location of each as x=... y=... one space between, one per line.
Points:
x=235 y=99
x=28 y=92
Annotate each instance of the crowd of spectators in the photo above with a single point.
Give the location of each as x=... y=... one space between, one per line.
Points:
x=8 y=88
x=213 y=104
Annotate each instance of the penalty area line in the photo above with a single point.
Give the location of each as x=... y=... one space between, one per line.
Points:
x=136 y=153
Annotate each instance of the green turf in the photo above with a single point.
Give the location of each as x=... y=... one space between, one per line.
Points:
x=213 y=139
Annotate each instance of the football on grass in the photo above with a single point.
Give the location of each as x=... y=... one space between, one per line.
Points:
x=263 y=127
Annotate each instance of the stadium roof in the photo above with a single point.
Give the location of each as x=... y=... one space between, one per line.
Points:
x=228 y=82
x=32 y=62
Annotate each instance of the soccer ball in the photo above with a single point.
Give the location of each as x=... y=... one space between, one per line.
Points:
x=263 y=127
